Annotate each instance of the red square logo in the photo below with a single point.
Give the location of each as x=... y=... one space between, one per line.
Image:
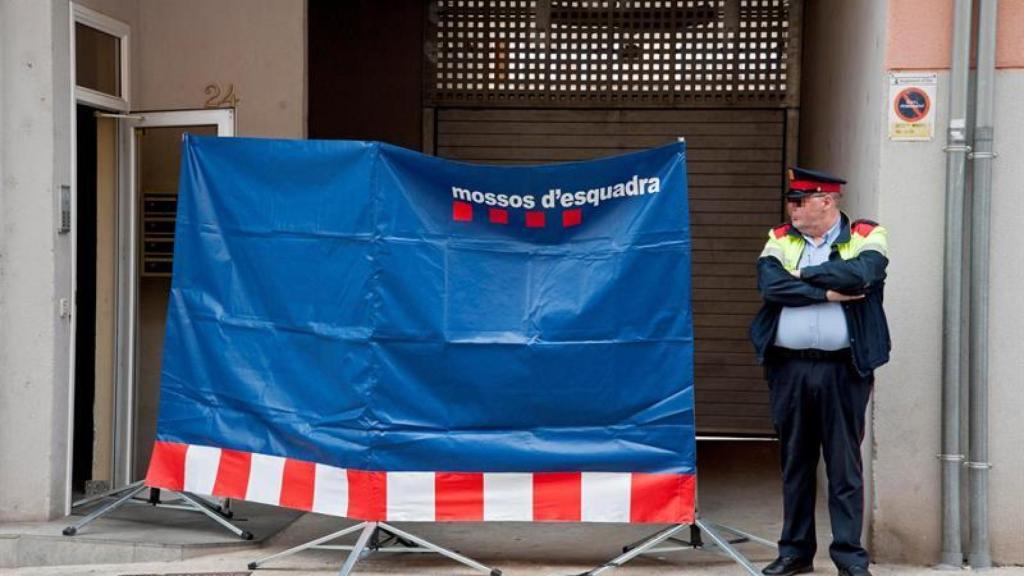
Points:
x=535 y=219
x=498 y=215
x=462 y=211
x=572 y=217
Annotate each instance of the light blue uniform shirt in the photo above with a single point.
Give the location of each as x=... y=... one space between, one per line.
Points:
x=821 y=326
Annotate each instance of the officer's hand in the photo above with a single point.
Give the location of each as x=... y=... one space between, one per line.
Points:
x=795 y=273
x=833 y=296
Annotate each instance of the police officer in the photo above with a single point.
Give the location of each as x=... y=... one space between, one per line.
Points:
x=820 y=334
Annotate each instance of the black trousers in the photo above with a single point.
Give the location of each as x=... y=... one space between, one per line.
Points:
x=818 y=408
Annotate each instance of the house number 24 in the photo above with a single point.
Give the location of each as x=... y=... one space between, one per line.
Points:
x=219 y=97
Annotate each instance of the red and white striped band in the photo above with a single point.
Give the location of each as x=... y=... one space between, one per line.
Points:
x=424 y=496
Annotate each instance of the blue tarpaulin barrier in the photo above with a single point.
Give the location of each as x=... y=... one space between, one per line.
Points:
x=364 y=330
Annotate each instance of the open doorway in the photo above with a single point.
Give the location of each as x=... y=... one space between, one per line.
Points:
x=95 y=229
x=100 y=77
x=125 y=220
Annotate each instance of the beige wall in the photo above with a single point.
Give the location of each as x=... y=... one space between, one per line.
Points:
x=259 y=46
x=922 y=34
x=181 y=46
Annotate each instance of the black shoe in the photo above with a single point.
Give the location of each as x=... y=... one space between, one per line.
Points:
x=854 y=571
x=789 y=565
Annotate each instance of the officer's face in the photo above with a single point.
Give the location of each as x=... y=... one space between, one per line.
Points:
x=812 y=211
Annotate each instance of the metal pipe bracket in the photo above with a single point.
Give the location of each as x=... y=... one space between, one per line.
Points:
x=961 y=148
x=978 y=465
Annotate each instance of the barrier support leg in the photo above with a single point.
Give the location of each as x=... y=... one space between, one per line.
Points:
x=311 y=544
x=638 y=550
x=443 y=551
x=726 y=547
x=713 y=532
x=358 y=550
x=128 y=493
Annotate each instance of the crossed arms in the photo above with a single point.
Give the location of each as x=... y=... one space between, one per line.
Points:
x=831 y=281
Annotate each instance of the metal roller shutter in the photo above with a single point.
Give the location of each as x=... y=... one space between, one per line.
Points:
x=735 y=163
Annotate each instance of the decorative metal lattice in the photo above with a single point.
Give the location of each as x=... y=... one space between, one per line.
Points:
x=612 y=52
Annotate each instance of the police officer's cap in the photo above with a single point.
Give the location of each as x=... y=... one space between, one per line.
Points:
x=803 y=182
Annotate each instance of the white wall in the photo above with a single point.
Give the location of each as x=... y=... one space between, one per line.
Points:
x=1006 y=325
x=34 y=271
x=908 y=421
x=908 y=412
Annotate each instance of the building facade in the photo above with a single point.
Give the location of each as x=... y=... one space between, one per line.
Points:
x=85 y=92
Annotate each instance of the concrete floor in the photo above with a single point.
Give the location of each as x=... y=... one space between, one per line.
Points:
x=739 y=487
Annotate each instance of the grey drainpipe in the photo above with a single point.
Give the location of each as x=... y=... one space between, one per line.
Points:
x=981 y=199
x=956 y=160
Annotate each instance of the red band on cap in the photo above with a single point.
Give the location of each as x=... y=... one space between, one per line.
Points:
x=812 y=185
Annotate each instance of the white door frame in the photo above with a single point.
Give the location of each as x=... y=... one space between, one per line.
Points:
x=120 y=30
x=111 y=103
x=129 y=240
